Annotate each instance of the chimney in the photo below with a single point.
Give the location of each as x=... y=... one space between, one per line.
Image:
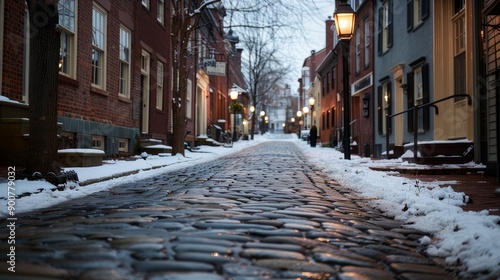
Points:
x=329 y=33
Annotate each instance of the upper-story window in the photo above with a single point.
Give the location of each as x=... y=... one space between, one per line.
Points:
x=98 y=46
x=67 y=16
x=161 y=12
x=358 y=51
x=385 y=27
x=125 y=43
x=146 y=4
x=159 y=86
x=367 y=42
x=417 y=12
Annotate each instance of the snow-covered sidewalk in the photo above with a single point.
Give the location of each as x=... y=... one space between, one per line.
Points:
x=469 y=239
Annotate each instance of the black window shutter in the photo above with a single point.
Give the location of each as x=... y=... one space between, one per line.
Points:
x=380 y=110
x=390 y=25
x=409 y=15
x=425 y=9
x=380 y=30
x=389 y=107
x=426 y=99
x=410 y=100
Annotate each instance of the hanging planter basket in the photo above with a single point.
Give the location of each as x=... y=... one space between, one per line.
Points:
x=236 y=108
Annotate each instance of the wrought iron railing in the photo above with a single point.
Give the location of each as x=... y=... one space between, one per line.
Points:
x=415 y=120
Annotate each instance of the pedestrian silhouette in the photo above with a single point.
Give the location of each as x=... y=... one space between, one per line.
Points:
x=313 y=135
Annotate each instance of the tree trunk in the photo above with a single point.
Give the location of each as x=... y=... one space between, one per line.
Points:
x=43 y=85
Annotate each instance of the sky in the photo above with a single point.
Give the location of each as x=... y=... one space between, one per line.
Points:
x=434 y=207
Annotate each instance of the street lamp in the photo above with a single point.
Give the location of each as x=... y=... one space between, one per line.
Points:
x=233 y=93
x=263 y=124
x=305 y=110
x=311 y=103
x=344 y=24
x=299 y=114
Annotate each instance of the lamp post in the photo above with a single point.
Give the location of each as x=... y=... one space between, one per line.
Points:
x=252 y=123
x=344 y=25
x=305 y=110
x=263 y=124
x=234 y=96
x=299 y=115
x=311 y=103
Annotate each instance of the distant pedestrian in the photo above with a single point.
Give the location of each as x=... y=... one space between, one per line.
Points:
x=313 y=135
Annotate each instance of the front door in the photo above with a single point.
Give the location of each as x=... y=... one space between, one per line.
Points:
x=145 y=91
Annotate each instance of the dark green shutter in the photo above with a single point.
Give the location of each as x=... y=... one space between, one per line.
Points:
x=425 y=9
x=380 y=110
x=390 y=25
x=389 y=107
x=426 y=98
x=380 y=30
x=410 y=100
x=409 y=15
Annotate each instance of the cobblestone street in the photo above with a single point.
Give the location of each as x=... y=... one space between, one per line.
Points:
x=262 y=213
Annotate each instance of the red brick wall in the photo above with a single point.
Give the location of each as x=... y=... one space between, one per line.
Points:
x=78 y=98
x=13 y=50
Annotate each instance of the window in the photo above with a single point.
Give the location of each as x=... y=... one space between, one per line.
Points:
x=385 y=27
x=417 y=11
x=367 y=42
x=161 y=12
x=384 y=106
x=327 y=119
x=123 y=145
x=67 y=15
x=459 y=47
x=334 y=72
x=358 y=51
x=98 y=46
x=333 y=117
x=124 y=85
x=98 y=142
x=189 y=98
x=418 y=94
x=159 y=86
x=145 y=3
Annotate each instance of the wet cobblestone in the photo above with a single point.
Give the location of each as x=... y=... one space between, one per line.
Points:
x=262 y=213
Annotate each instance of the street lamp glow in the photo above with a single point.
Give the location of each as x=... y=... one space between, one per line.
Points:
x=299 y=114
x=344 y=21
x=262 y=113
x=252 y=109
x=311 y=101
x=292 y=119
x=233 y=93
x=305 y=109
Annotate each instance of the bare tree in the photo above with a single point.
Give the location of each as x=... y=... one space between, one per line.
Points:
x=185 y=17
x=43 y=84
x=268 y=29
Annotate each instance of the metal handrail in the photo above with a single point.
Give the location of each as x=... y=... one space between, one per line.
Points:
x=415 y=120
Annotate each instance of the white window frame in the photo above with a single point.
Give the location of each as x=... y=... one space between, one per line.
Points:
x=124 y=57
x=160 y=15
x=385 y=22
x=418 y=89
x=99 y=48
x=123 y=145
x=417 y=12
x=68 y=24
x=98 y=142
x=160 y=73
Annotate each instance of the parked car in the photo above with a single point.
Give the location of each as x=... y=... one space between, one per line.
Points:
x=304 y=134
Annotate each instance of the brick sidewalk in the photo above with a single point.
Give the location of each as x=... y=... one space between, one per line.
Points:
x=479 y=188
